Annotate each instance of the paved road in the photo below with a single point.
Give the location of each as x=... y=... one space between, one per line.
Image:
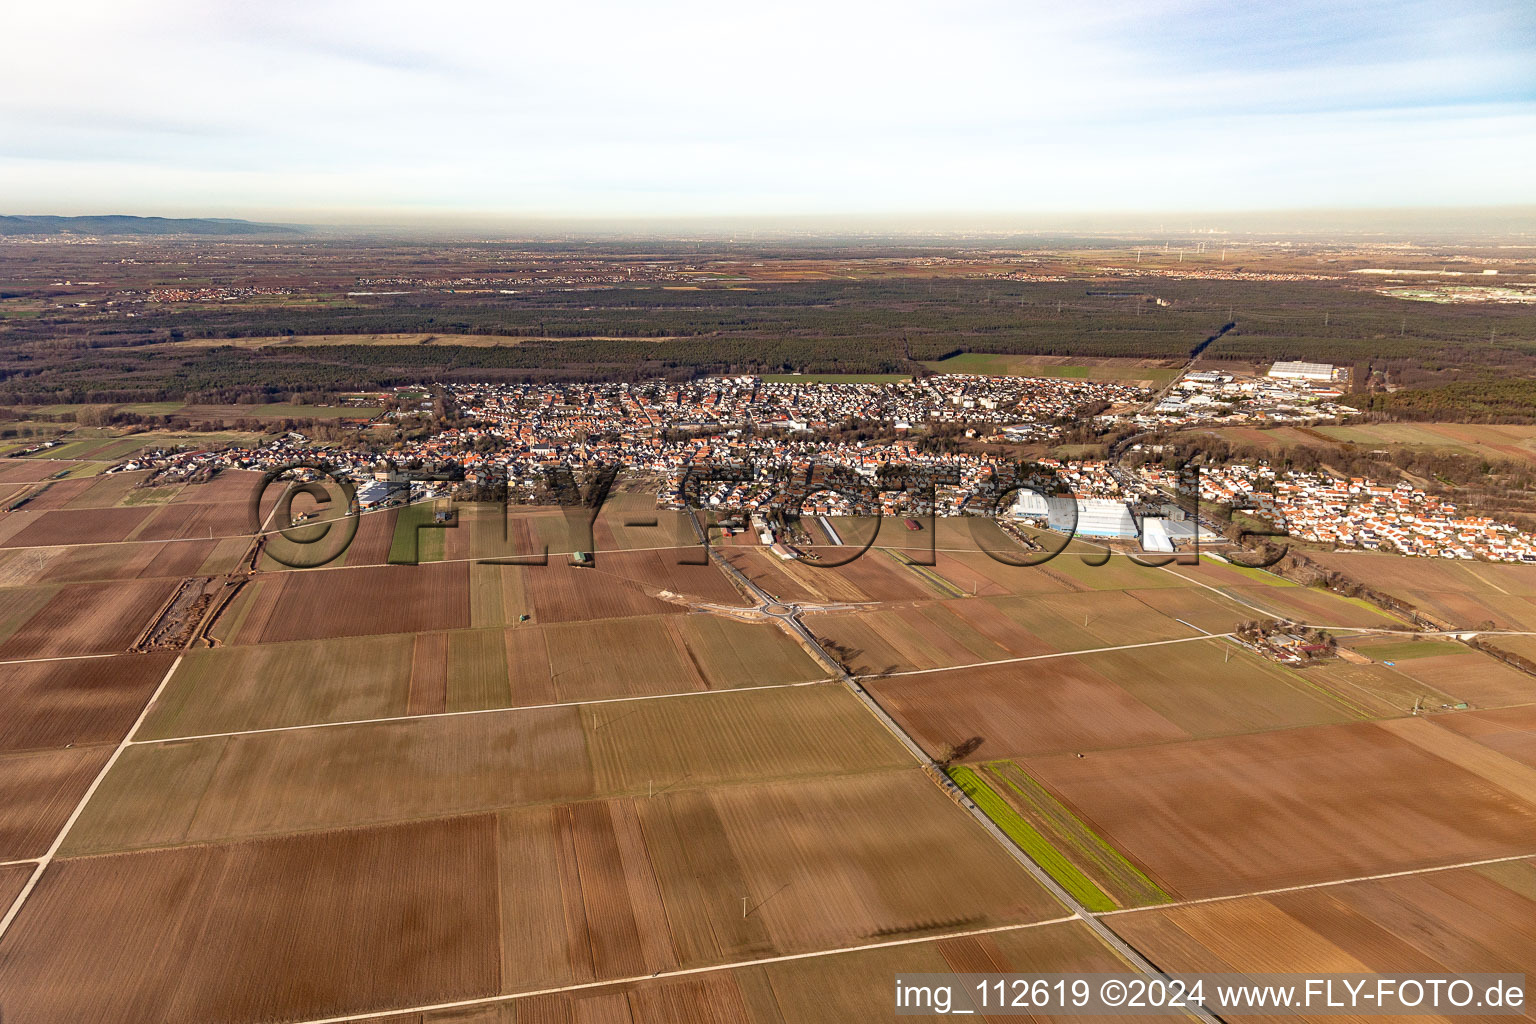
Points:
x=789 y=615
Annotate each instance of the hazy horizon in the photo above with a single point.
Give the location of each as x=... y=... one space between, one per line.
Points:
x=1504 y=222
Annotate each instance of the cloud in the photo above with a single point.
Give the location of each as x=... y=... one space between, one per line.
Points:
x=680 y=107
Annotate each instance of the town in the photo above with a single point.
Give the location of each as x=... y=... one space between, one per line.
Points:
x=753 y=450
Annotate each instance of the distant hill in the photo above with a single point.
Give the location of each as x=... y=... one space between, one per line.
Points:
x=115 y=224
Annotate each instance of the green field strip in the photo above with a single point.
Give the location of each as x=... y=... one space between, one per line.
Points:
x=1040 y=850
x=1409 y=649
x=1368 y=606
x=477 y=670
x=927 y=574
x=1129 y=885
x=410 y=546
x=1257 y=575
x=26 y=495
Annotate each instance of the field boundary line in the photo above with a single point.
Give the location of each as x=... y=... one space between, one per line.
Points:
x=74 y=816
x=68 y=657
x=480 y=711
x=684 y=972
x=1260 y=893
x=1042 y=657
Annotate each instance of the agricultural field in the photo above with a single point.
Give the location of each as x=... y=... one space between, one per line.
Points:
x=1484 y=440
x=77 y=619
x=608 y=840
x=325 y=603
x=619 y=790
x=1213 y=817
x=1105 y=700
x=263 y=686
x=38 y=790
x=1434 y=922
x=1464 y=595
x=1138 y=370
x=77 y=703
x=329 y=906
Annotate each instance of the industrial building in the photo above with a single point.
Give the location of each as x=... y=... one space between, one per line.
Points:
x=1302 y=371
x=1085 y=517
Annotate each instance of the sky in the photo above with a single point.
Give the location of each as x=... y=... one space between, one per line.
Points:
x=344 y=110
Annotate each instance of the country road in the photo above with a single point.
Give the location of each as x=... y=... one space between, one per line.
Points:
x=789 y=616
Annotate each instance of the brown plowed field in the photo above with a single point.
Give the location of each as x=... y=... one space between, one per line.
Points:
x=13 y=878
x=873 y=576
x=770 y=573
x=933 y=634
x=193 y=519
x=626 y=887
x=79 y=526
x=225 y=689
x=233 y=787
x=823 y=583
x=428 y=689
x=582 y=665
x=825 y=867
x=1197 y=606
x=38 y=791
x=89 y=618
x=179 y=558
x=95 y=700
x=13 y=523
x=840 y=989
x=375 y=533
x=95 y=562
x=263 y=783
x=1510 y=731
x=355 y=602
x=1217 y=816
x=1314 y=606
x=732 y=653
x=1471 y=676
x=306 y=682
x=1035 y=707
x=561 y=592
x=1437 y=575
x=131 y=560
x=369 y=919
x=735 y=736
x=660 y=570
x=237 y=485
x=28 y=470
x=979 y=572
x=1431 y=923
x=1209 y=688
x=59 y=494
x=1083 y=621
